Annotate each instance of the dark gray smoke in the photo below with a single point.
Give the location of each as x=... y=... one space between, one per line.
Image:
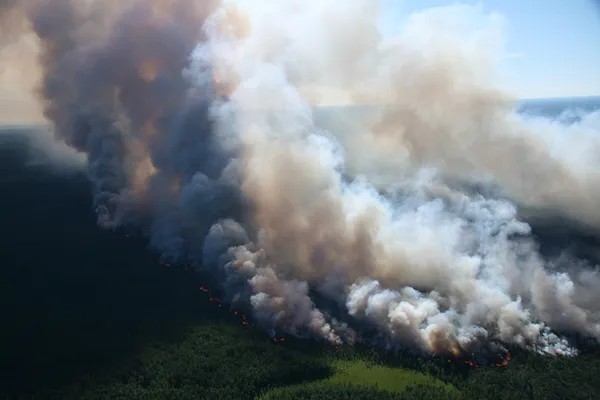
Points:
x=114 y=88
x=198 y=125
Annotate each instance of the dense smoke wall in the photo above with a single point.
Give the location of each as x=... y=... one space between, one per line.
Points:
x=409 y=213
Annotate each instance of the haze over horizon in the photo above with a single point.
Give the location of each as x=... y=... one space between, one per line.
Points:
x=547 y=49
x=551 y=47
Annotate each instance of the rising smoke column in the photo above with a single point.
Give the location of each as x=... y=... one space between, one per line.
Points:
x=198 y=124
x=114 y=88
x=431 y=267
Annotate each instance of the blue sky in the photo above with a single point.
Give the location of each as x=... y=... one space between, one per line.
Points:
x=554 y=44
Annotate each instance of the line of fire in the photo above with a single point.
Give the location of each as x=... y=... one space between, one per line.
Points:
x=463 y=360
x=244 y=321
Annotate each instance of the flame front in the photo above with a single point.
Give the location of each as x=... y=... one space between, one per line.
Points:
x=474 y=364
x=456 y=356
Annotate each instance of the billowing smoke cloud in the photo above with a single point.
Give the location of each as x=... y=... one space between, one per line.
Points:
x=198 y=125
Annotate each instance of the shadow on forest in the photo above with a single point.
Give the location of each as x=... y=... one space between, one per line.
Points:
x=75 y=299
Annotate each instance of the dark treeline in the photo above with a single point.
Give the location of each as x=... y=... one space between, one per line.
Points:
x=91 y=314
x=349 y=392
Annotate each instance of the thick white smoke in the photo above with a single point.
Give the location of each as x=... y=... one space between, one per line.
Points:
x=407 y=208
x=359 y=206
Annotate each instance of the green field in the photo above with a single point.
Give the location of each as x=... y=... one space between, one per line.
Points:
x=361 y=373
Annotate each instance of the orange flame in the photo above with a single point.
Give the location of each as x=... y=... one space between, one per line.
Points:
x=277 y=340
x=473 y=364
x=214 y=299
x=220 y=304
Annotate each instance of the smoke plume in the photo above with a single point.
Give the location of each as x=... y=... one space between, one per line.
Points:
x=410 y=213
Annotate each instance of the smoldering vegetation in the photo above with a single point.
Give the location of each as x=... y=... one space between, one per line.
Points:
x=198 y=126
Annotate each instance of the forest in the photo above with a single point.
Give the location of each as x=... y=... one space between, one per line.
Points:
x=93 y=314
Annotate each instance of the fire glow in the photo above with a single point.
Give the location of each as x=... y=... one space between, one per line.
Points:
x=219 y=303
x=474 y=364
x=244 y=321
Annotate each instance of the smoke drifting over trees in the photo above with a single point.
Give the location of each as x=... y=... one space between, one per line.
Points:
x=197 y=122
